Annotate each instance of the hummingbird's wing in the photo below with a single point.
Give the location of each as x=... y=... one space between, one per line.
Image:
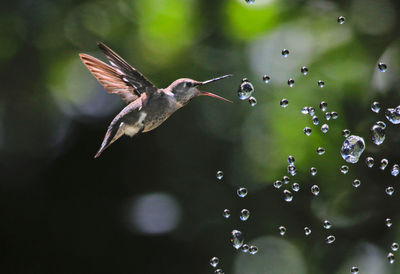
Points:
x=131 y=75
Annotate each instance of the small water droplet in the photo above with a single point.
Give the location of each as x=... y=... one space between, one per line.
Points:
x=214 y=261
x=285 y=53
x=315 y=190
x=395 y=170
x=384 y=163
x=320 y=151
x=330 y=239
x=344 y=169
x=296 y=187
x=307 y=231
x=382 y=67
x=370 y=162
x=253 y=250
x=346 y=133
x=304 y=70
x=284 y=102
x=307 y=131
x=356 y=183
x=324 y=128
x=377 y=134
x=388 y=222
x=266 y=79
x=288 y=196
x=282 y=230
x=328 y=115
x=236 y=239
x=219 y=271
x=352 y=148
x=290 y=82
x=226 y=213
x=291 y=170
x=245 y=248
x=381 y=124
x=290 y=160
x=252 y=101
x=250 y=1
x=304 y=110
x=327 y=224
x=277 y=184
x=285 y=180
x=313 y=171
x=321 y=83
x=323 y=105
x=242 y=192
x=394 y=246
x=244 y=214
x=311 y=111
x=245 y=89
x=393 y=115
x=389 y=190
x=375 y=107
x=220 y=175
x=315 y=120
x=390 y=257
x=334 y=115
x=354 y=270
x=341 y=20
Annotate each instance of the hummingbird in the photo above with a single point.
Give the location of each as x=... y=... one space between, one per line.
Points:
x=147 y=106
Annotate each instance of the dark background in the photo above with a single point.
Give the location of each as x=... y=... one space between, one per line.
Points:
x=152 y=204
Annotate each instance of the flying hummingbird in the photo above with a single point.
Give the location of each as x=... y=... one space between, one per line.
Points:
x=147 y=106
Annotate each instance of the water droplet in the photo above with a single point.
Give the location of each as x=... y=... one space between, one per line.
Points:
x=252 y=101
x=341 y=20
x=390 y=257
x=382 y=67
x=219 y=271
x=245 y=248
x=375 y=107
x=285 y=53
x=266 y=79
x=377 y=134
x=226 y=213
x=388 y=222
x=381 y=124
x=244 y=214
x=356 y=183
x=242 y=192
x=315 y=120
x=253 y=250
x=346 y=133
x=311 y=111
x=334 y=115
x=393 y=115
x=285 y=180
x=304 y=70
x=307 y=231
x=214 y=261
x=324 y=128
x=284 y=102
x=220 y=175
x=394 y=246
x=250 y=1
x=290 y=160
x=288 y=196
x=321 y=83
x=323 y=105
x=290 y=82
x=370 y=162
x=245 y=89
x=236 y=238
x=384 y=163
x=296 y=187
x=282 y=230
x=320 y=151
x=344 y=169
x=352 y=148
x=354 y=270
x=304 y=110
x=277 y=184
x=313 y=171
x=330 y=239
x=291 y=170
x=327 y=224
x=389 y=190
x=307 y=131
x=328 y=115
x=315 y=190
x=395 y=170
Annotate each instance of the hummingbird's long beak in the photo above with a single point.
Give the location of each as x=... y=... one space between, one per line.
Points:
x=205 y=93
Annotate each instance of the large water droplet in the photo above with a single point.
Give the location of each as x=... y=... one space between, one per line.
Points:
x=382 y=67
x=266 y=79
x=384 y=163
x=370 y=162
x=393 y=115
x=242 y=192
x=245 y=89
x=389 y=190
x=330 y=239
x=214 y=261
x=253 y=249
x=296 y=187
x=284 y=102
x=236 y=238
x=226 y=213
x=346 y=133
x=354 y=270
x=395 y=170
x=352 y=148
x=220 y=175
x=388 y=222
x=377 y=134
x=321 y=83
x=288 y=196
x=341 y=20
x=375 y=107
x=390 y=257
x=315 y=190
x=252 y=101
x=327 y=224
x=282 y=230
x=244 y=214
x=324 y=128
x=285 y=53
x=307 y=131
x=356 y=183
x=290 y=82
x=323 y=105
x=304 y=70
x=394 y=246
x=344 y=169
x=307 y=231
x=313 y=171
x=315 y=120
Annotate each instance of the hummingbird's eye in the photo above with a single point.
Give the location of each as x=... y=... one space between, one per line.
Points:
x=187 y=84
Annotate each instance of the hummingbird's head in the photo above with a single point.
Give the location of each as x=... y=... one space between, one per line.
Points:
x=185 y=89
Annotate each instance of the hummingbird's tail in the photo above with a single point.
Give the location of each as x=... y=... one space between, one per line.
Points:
x=114 y=132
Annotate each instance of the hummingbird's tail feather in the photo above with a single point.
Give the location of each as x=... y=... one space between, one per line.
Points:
x=114 y=132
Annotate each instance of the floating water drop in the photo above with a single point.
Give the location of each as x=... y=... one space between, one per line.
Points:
x=315 y=190
x=384 y=163
x=394 y=246
x=334 y=115
x=346 y=133
x=344 y=169
x=291 y=170
x=236 y=238
x=354 y=270
x=242 y=192
x=220 y=175
x=219 y=271
x=341 y=20
x=320 y=151
x=395 y=170
x=290 y=160
x=214 y=261
x=388 y=222
x=390 y=257
x=305 y=110
x=323 y=105
x=285 y=53
x=324 y=128
x=282 y=230
x=307 y=131
x=285 y=180
x=328 y=115
x=321 y=83
x=352 y=148
x=393 y=115
x=245 y=89
x=356 y=183
x=382 y=67
x=290 y=82
x=245 y=248
x=327 y=224
x=288 y=196
x=315 y=120
x=304 y=70
x=284 y=102
x=375 y=107
x=296 y=187
x=277 y=184
x=313 y=171
x=389 y=190
x=370 y=162
x=252 y=101
x=307 y=231
x=311 y=111
x=330 y=239
x=250 y=1
x=253 y=250
x=381 y=124
x=226 y=213
x=266 y=79
x=244 y=214
x=377 y=134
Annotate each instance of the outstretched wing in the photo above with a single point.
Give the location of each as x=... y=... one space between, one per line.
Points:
x=131 y=76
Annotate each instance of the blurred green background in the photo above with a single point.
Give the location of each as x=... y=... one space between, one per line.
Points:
x=152 y=204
